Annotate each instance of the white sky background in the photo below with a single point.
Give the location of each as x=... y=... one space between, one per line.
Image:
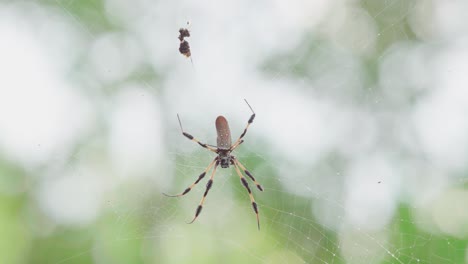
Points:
x=44 y=113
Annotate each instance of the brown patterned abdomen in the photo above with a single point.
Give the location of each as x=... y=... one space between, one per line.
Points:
x=224 y=134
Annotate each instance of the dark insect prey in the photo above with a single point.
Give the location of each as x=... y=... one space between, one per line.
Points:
x=184 y=47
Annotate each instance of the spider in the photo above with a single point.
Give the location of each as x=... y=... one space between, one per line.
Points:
x=223 y=158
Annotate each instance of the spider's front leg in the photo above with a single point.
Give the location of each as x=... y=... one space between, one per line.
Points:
x=251 y=119
x=187 y=135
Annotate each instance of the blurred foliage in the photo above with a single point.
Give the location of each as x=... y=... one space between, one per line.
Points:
x=413 y=243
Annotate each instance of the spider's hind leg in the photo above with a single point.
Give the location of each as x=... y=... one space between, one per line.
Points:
x=195 y=183
x=249 y=174
x=209 y=184
x=246 y=185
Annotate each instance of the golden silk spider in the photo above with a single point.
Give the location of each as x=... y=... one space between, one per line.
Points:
x=223 y=158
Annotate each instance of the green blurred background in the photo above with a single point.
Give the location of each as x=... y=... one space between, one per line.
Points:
x=360 y=139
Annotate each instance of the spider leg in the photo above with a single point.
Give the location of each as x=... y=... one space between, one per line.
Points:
x=208 y=187
x=236 y=144
x=246 y=185
x=249 y=174
x=187 y=135
x=251 y=119
x=195 y=183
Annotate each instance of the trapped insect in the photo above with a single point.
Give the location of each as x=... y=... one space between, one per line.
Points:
x=223 y=158
x=184 y=47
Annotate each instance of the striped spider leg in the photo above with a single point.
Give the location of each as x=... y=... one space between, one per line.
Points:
x=246 y=185
x=200 y=177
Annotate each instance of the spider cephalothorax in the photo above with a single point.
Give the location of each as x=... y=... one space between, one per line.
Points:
x=223 y=158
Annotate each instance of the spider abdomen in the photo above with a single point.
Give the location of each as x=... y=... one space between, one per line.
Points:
x=224 y=133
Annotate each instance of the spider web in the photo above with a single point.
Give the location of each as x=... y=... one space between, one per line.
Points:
x=342 y=141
